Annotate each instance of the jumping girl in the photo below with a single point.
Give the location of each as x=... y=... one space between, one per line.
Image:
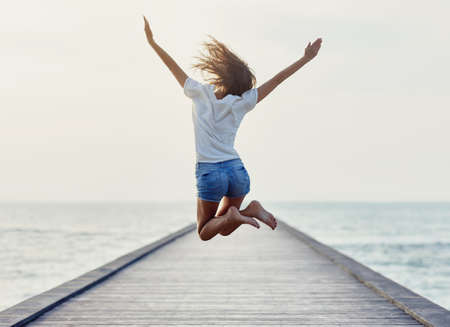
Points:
x=217 y=111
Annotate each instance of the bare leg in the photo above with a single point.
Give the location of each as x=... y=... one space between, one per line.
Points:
x=254 y=209
x=209 y=225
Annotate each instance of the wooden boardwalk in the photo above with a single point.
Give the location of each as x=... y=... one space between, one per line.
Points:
x=250 y=278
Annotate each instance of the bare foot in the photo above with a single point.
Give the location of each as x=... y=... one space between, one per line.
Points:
x=235 y=217
x=255 y=209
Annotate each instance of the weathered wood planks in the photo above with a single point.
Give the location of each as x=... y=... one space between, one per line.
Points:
x=250 y=278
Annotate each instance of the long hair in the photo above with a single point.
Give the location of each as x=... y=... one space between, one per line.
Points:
x=228 y=73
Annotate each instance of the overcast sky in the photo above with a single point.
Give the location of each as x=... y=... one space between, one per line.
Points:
x=89 y=112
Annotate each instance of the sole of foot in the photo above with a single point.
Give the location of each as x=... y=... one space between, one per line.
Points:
x=235 y=216
x=257 y=210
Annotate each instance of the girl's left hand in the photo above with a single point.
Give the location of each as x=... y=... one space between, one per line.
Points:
x=311 y=50
x=148 y=31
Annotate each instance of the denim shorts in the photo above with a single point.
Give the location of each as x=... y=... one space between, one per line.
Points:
x=218 y=179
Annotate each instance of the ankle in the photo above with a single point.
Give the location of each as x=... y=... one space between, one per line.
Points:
x=229 y=214
x=249 y=210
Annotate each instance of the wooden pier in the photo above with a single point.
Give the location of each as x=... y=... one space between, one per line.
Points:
x=250 y=278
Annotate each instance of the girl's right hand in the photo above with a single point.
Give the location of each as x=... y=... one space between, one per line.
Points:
x=311 y=50
x=148 y=31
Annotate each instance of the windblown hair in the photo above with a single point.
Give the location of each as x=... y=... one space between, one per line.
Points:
x=228 y=73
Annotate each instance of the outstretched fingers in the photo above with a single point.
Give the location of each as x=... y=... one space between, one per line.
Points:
x=148 y=31
x=312 y=49
x=317 y=43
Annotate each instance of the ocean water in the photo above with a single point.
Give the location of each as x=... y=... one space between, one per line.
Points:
x=45 y=244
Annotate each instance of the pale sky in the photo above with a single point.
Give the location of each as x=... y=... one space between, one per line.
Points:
x=88 y=112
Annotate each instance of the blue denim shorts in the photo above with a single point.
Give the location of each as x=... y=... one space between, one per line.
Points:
x=218 y=179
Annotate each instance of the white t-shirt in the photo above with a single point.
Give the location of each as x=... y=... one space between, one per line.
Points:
x=216 y=121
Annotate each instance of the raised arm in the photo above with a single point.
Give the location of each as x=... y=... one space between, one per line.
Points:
x=311 y=51
x=179 y=74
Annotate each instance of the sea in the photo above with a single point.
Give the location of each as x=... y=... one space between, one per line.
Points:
x=46 y=244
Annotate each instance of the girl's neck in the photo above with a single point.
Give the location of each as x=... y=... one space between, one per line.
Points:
x=218 y=95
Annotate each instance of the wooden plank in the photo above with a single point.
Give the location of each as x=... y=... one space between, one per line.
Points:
x=420 y=308
x=252 y=277
x=32 y=308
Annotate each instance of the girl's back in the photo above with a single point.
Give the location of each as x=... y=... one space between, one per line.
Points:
x=216 y=121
